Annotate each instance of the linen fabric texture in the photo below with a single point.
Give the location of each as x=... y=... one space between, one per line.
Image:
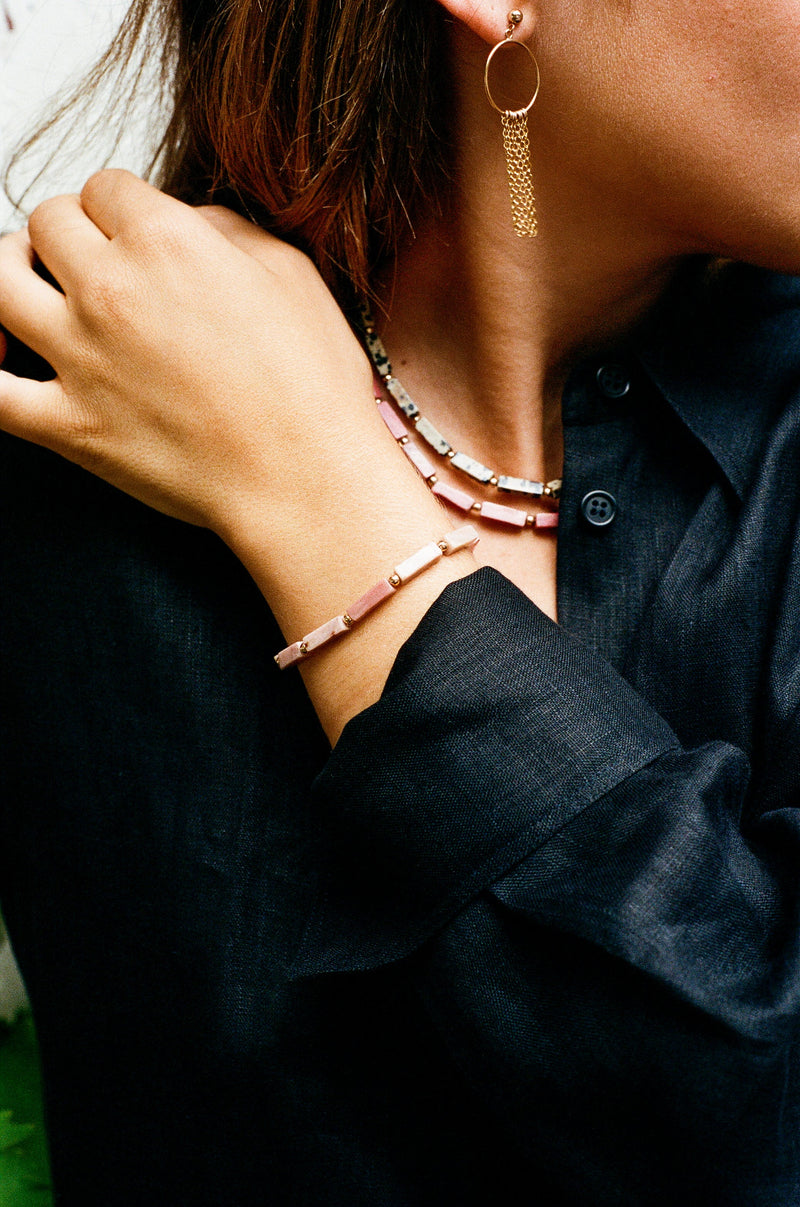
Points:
x=534 y=922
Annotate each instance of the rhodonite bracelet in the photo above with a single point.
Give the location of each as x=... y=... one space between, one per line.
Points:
x=464 y=537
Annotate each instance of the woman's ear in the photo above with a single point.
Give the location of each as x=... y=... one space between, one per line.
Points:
x=488 y=19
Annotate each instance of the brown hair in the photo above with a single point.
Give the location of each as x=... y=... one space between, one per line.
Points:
x=322 y=120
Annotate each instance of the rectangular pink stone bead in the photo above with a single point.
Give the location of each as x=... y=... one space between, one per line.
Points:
x=321 y=636
x=370 y=599
x=422 y=464
x=451 y=494
x=503 y=515
x=419 y=561
x=461 y=538
x=331 y=628
x=547 y=519
x=289 y=656
x=392 y=420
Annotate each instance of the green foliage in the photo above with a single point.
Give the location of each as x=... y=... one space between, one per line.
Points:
x=24 y=1171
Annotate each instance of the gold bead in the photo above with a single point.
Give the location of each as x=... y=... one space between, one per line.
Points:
x=493 y=480
x=530 y=520
x=515 y=16
x=451 y=454
x=476 y=506
x=348 y=620
x=443 y=545
x=432 y=480
x=394 y=580
x=303 y=647
x=403 y=440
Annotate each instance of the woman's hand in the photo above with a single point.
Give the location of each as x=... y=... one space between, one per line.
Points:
x=174 y=350
x=212 y=376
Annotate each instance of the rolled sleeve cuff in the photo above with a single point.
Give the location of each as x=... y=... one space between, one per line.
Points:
x=495 y=729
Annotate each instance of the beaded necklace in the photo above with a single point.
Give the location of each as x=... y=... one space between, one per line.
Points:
x=498 y=513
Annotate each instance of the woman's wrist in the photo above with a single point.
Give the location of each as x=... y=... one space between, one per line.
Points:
x=310 y=564
x=386 y=588
x=346 y=678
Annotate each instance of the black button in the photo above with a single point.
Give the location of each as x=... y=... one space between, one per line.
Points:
x=613 y=381
x=598 y=508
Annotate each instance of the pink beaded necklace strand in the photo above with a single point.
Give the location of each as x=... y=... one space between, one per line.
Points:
x=498 y=513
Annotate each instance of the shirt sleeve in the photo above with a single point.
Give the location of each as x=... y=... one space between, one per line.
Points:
x=610 y=960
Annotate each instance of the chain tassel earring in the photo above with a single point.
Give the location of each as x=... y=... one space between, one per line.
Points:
x=515 y=140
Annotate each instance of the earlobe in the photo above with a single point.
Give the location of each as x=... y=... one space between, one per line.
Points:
x=488 y=19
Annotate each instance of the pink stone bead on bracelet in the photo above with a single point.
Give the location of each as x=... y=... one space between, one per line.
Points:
x=452 y=542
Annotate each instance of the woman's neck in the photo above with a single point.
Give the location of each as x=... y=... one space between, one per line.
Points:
x=483 y=329
x=484 y=325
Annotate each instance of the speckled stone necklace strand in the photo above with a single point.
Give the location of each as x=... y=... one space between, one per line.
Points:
x=497 y=513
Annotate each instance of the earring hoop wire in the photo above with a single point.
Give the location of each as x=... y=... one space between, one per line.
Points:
x=531 y=56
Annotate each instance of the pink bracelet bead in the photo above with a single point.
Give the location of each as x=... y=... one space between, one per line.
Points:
x=464 y=537
x=289 y=656
x=370 y=599
x=331 y=628
x=419 y=561
x=460 y=538
x=317 y=637
x=546 y=519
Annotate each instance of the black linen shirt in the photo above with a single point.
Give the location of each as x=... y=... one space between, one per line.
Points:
x=530 y=933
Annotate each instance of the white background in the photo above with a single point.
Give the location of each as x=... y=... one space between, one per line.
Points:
x=50 y=48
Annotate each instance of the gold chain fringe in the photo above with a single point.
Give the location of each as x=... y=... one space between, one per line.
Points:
x=520 y=180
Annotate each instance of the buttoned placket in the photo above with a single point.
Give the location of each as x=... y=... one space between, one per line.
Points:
x=633 y=478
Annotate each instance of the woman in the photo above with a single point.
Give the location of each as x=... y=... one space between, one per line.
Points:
x=529 y=931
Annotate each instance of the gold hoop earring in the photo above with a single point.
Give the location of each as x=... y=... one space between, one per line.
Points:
x=515 y=140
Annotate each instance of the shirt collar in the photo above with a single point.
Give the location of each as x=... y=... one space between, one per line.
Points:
x=724 y=350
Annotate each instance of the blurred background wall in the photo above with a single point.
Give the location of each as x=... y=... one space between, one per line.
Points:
x=46 y=47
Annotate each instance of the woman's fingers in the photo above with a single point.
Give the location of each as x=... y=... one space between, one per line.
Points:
x=116 y=200
x=35 y=410
x=30 y=308
x=65 y=239
x=124 y=207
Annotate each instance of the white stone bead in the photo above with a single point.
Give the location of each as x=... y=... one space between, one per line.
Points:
x=468 y=465
x=402 y=398
x=433 y=436
x=520 y=486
